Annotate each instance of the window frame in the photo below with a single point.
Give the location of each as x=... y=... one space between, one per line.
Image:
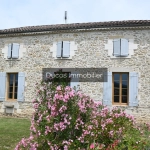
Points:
x=65 y=72
x=120 y=89
x=12 y=50
x=62 y=51
x=7 y=87
x=120 y=42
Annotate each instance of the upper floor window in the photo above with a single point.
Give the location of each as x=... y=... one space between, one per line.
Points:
x=120 y=47
x=63 y=49
x=13 y=51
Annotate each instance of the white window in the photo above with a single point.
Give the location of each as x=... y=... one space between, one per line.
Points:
x=12 y=86
x=120 y=48
x=63 y=49
x=121 y=89
x=13 y=51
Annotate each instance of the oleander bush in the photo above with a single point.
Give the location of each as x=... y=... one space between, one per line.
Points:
x=66 y=119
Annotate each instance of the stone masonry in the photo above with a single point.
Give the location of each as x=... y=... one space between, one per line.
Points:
x=92 y=50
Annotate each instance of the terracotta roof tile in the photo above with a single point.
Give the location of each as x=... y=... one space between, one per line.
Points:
x=90 y=25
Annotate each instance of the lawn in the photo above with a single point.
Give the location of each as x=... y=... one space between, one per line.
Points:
x=12 y=130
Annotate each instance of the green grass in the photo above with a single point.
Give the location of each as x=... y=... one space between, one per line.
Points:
x=12 y=130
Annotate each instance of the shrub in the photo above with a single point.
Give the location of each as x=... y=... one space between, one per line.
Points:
x=68 y=119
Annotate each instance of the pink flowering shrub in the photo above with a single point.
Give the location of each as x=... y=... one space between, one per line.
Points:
x=65 y=119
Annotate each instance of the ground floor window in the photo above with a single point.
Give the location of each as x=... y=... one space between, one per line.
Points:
x=12 y=86
x=62 y=78
x=120 y=88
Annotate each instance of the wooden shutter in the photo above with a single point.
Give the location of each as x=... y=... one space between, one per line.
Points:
x=133 y=89
x=15 y=50
x=66 y=49
x=9 y=50
x=124 y=47
x=2 y=85
x=116 y=47
x=107 y=89
x=21 y=86
x=59 y=49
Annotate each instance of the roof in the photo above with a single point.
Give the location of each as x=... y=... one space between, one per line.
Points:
x=74 y=26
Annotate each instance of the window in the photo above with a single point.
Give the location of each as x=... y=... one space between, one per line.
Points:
x=13 y=50
x=63 y=49
x=120 y=88
x=12 y=86
x=121 y=47
x=62 y=78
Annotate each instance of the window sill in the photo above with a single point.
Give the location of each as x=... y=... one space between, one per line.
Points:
x=63 y=58
x=13 y=59
x=120 y=57
x=124 y=105
x=9 y=106
x=11 y=100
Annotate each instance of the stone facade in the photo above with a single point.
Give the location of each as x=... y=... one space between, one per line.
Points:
x=92 y=49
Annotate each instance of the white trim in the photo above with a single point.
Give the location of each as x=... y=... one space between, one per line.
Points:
x=109 y=47
x=73 y=48
x=21 y=51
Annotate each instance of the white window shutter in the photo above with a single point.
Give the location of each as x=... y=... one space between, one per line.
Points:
x=59 y=49
x=9 y=50
x=21 y=86
x=2 y=85
x=74 y=81
x=116 y=47
x=107 y=89
x=15 y=50
x=66 y=49
x=133 y=89
x=124 y=47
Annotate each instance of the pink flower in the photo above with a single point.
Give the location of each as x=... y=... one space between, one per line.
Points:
x=58 y=88
x=92 y=146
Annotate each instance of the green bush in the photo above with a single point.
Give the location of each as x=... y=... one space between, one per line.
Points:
x=66 y=119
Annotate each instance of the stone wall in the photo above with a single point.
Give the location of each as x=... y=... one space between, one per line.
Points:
x=91 y=52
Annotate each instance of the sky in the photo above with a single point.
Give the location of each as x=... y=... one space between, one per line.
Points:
x=20 y=13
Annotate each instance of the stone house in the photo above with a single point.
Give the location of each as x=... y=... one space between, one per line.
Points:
x=123 y=47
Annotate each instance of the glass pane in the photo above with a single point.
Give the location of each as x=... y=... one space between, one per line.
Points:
x=16 y=88
x=15 y=96
x=11 y=76
x=116 y=91
x=116 y=98
x=16 y=77
x=124 y=84
x=116 y=84
x=10 y=89
x=116 y=76
x=11 y=83
x=16 y=83
x=124 y=99
x=124 y=91
x=124 y=76
x=10 y=95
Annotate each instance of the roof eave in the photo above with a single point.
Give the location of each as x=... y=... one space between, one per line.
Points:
x=137 y=27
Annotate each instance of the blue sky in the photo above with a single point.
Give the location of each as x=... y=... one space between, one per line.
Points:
x=19 y=13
